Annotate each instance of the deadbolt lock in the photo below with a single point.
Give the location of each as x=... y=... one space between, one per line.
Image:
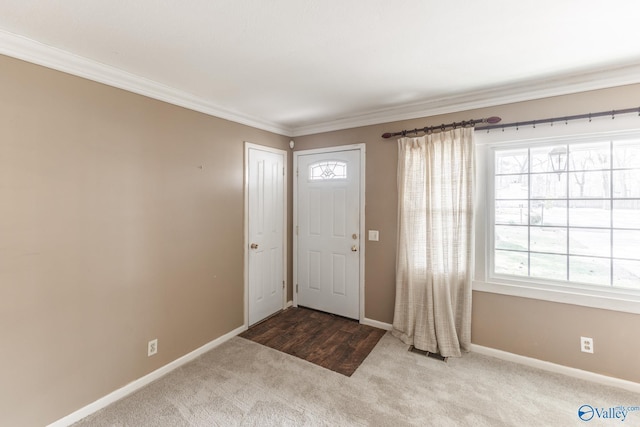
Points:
x=354 y=236
x=254 y=246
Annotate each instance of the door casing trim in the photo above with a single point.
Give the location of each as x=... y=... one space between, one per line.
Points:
x=361 y=147
x=247 y=147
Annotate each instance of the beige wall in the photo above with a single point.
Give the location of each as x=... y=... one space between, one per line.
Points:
x=534 y=328
x=110 y=235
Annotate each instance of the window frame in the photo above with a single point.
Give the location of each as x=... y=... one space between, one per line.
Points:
x=598 y=296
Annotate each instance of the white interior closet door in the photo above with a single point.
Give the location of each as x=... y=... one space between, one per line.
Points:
x=266 y=235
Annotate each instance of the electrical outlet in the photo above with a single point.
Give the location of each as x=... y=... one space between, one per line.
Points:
x=152 y=347
x=586 y=345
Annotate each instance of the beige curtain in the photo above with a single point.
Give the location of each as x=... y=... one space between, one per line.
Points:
x=435 y=241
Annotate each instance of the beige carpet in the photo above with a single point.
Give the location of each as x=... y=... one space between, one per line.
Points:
x=242 y=383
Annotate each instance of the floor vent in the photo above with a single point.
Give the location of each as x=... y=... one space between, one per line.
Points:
x=436 y=356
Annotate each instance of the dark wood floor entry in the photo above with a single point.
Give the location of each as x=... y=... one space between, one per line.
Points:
x=330 y=341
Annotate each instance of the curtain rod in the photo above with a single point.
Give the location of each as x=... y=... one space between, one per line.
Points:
x=494 y=119
x=443 y=126
x=612 y=113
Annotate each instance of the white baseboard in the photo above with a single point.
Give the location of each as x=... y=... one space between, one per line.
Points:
x=141 y=382
x=377 y=324
x=559 y=369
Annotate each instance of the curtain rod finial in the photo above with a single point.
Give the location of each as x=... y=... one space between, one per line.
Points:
x=387 y=135
x=493 y=119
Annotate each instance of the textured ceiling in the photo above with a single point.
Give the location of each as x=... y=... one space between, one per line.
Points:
x=294 y=64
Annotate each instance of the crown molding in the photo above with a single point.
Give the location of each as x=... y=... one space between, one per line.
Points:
x=491 y=97
x=38 y=53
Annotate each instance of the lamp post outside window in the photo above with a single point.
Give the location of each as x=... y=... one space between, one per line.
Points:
x=558 y=159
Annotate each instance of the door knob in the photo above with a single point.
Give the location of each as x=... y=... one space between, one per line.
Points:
x=254 y=246
x=354 y=248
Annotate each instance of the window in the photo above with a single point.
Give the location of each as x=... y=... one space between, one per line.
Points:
x=328 y=170
x=567 y=212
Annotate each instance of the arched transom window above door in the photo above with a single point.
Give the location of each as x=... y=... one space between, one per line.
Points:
x=327 y=170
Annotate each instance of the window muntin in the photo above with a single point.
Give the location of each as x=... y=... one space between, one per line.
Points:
x=568 y=212
x=327 y=170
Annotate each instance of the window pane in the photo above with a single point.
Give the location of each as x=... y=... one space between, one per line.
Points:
x=626 y=274
x=589 y=156
x=625 y=184
x=590 y=213
x=512 y=212
x=626 y=244
x=548 y=212
x=549 y=239
x=512 y=161
x=551 y=158
x=589 y=241
x=549 y=266
x=511 y=237
x=549 y=186
x=626 y=154
x=508 y=262
x=626 y=214
x=328 y=170
x=512 y=187
x=595 y=271
x=571 y=212
x=589 y=184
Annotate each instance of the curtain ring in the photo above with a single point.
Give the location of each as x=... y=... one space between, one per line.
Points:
x=613 y=114
x=589 y=117
x=442 y=127
x=534 y=124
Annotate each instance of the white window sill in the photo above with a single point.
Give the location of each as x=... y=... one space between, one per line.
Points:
x=603 y=299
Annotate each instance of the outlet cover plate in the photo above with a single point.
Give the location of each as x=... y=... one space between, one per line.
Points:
x=586 y=344
x=152 y=347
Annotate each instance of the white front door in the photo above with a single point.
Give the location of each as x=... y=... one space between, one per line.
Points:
x=328 y=231
x=265 y=246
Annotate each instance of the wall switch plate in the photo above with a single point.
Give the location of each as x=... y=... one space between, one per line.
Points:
x=586 y=344
x=152 y=347
x=374 y=235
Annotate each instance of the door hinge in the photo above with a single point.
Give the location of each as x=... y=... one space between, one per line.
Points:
x=283 y=284
x=282 y=171
x=296 y=288
x=297 y=230
x=297 y=172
